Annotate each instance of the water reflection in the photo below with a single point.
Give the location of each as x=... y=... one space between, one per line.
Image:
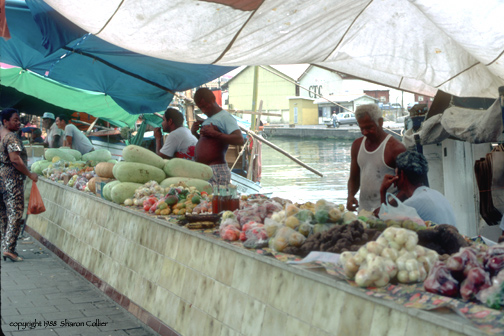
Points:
x=285 y=178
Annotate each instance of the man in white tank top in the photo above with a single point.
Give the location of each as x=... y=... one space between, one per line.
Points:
x=373 y=156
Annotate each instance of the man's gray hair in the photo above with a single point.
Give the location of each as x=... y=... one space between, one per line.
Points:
x=372 y=110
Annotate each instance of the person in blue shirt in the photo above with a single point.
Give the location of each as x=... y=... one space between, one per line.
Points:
x=215 y=135
x=410 y=177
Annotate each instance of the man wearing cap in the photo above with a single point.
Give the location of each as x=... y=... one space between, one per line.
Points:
x=54 y=137
x=74 y=138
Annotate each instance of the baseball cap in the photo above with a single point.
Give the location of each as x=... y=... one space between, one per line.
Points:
x=48 y=115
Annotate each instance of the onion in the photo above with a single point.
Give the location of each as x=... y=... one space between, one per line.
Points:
x=411 y=265
x=411 y=242
x=363 y=251
x=414 y=276
x=362 y=278
x=390 y=253
x=403 y=276
x=350 y=268
x=400 y=237
x=383 y=280
x=374 y=247
x=382 y=241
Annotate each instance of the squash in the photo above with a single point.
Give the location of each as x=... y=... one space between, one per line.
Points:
x=50 y=153
x=137 y=172
x=100 y=155
x=108 y=187
x=39 y=166
x=104 y=169
x=92 y=185
x=186 y=168
x=75 y=153
x=201 y=185
x=123 y=190
x=133 y=153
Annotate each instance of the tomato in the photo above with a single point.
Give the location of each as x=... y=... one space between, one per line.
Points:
x=204 y=194
x=146 y=206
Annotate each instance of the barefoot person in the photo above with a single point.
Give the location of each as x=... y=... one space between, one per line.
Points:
x=13 y=171
x=217 y=132
x=372 y=156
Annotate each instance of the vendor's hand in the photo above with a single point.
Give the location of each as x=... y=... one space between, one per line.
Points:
x=157 y=133
x=33 y=177
x=195 y=127
x=210 y=131
x=352 y=203
x=388 y=180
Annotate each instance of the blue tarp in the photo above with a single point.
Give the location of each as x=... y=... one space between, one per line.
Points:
x=48 y=44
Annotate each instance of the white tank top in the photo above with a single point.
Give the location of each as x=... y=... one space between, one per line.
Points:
x=372 y=170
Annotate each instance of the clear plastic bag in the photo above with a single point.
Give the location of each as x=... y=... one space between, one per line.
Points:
x=493 y=296
x=440 y=281
x=399 y=212
x=477 y=279
x=284 y=237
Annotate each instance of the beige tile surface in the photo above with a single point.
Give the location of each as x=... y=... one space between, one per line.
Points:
x=388 y=322
x=274 y=322
x=253 y=316
x=171 y=244
x=415 y=325
x=192 y=280
x=236 y=304
x=203 y=298
x=296 y=327
x=226 y=331
x=302 y=299
x=261 y=291
x=225 y=266
x=211 y=261
x=281 y=290
x=219 y=307
x=165 y=305
x=329 y=308
x=183 y=319
x=242 y=279
x=355 y=316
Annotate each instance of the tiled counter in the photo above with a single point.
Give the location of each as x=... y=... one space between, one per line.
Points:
x=181 y=282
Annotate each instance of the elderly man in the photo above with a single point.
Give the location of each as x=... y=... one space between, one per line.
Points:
x=217 y=132
x=54 y=137
x=372 y=156
x=410 y=177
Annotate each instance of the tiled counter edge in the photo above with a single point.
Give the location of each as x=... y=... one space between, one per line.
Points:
x=170 y=277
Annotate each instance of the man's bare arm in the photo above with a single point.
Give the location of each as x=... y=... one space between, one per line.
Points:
x=354 y=179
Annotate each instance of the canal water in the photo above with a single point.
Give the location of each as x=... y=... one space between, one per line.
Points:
x=286 y=179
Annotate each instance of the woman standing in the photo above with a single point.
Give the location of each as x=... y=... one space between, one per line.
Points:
x=13 y=171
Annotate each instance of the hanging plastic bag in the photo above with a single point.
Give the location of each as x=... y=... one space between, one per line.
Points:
x=35 y=205
x=399 y=212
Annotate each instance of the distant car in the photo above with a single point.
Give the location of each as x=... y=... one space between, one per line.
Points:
x=386 y=106
x=346 y=118
x=396 y=106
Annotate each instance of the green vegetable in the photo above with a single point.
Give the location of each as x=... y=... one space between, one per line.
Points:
x=50 y=153
x=304 y=215
x=100 y=155
x=186 y=168
x=107 y=188
x=123 y=190
x=201 y=185
x=133 y=153
x=322 y=216
x=137 y=172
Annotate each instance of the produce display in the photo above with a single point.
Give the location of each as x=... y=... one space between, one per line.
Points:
x=395 y=255
x=373 y=252
x=471 y=274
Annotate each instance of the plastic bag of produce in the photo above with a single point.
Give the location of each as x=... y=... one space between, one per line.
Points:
x=461 y=262
x=254 y=235
x=493 y=260
x=229 y=221
x=399 y=212
x=440 y=281
x=284 y=237
x=229 y=232
x=493 y=296
x=35 y=204
x=477 y=279
x=271 y=226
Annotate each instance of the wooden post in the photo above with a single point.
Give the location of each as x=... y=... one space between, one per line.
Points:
x=250 y=170
x=189 y=109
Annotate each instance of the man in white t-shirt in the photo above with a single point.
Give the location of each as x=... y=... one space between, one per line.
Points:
x=54 y=137
x=180 y=143
x=74 y=138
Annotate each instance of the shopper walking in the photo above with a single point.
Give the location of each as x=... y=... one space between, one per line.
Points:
x=13 y=171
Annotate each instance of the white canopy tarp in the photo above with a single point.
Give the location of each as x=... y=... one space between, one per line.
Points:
x=415 y=45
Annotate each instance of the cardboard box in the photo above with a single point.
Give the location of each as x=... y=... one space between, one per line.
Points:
x=100 y=183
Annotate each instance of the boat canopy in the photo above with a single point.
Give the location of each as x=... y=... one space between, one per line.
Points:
x=413 y=45
x=50 y=58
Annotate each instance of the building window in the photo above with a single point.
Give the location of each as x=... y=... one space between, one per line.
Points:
x=431 y=98
x=383 y=99
x=420 y=98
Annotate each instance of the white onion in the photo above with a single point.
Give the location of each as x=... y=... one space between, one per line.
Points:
x=374 y=247
x=403 y=276
x=411 y=265
x=414 y=276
